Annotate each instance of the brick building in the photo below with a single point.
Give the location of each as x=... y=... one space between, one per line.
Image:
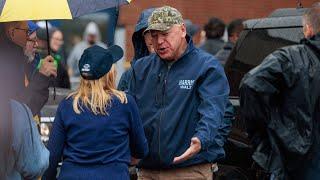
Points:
x=199 y=11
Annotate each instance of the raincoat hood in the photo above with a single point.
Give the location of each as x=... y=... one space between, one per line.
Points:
x=140 y=47
x=92 y=29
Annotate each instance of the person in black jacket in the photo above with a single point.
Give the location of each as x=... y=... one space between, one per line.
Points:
x=280 y=102
x=37 y=84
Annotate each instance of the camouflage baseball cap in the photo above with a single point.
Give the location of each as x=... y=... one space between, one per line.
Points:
x=163 y=18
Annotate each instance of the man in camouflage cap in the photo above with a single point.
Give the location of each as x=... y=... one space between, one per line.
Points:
x=163 y=19
x=181 y=93
x=168 y=21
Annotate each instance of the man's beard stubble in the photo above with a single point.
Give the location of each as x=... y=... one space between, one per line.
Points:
x=30 y=55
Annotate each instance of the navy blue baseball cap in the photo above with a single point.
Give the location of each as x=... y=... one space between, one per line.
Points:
x=96 y=61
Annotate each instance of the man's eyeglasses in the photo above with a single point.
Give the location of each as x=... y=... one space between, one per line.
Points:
x=26 y=32
x=33 y=40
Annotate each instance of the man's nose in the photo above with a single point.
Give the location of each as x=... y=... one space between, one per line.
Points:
x=36 y=44
x=160 y=40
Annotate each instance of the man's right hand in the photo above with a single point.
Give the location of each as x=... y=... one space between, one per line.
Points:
x=47 y=67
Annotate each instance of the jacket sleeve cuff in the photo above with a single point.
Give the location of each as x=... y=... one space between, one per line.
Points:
x=204 y=142
x=40 y=76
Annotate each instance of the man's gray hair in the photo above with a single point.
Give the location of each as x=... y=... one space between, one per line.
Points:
x=312 y=17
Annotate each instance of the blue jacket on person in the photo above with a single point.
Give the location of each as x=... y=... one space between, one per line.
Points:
x=140 y=47
x=95 y=146
x=179 y=101
x=28 y=158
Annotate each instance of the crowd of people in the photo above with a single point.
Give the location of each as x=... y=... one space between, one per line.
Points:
x=170 y=114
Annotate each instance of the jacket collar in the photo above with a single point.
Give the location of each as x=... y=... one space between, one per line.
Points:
x=313 y=41
x=190 y=46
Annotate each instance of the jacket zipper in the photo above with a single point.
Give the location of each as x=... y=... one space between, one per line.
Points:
x=163 y=106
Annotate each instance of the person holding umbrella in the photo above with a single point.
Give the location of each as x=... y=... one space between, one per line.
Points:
x=18 y=44
x=97 y=128
x=46 y=69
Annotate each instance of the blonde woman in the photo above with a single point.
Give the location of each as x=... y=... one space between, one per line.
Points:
x=97 y=129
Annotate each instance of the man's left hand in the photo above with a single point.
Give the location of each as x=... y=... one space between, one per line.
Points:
x=48 y=68
x=194 y=148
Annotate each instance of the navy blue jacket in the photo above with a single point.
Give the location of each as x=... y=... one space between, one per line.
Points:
x=96 y=146
x=140 y=47
x=178 y=102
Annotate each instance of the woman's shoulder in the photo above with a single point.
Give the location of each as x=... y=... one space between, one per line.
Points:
x=68 y=99
x=128 y=102
x=65 y=102
x=131 y=103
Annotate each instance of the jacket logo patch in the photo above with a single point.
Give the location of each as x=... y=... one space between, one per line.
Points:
x=186 y=84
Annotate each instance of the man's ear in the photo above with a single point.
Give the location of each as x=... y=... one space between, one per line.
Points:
x=184 y=30
x=10 y=33
x=9 y=30
x=308 y=31
x=312 y=33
